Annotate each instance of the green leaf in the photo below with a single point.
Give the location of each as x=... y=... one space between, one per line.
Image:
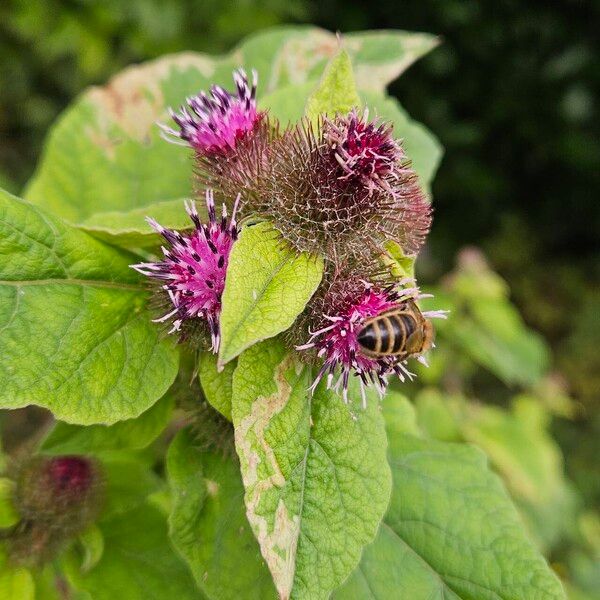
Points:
x=76 y=337
x=521 y=449
x=49 y=585
x=287 y=104
x=336 y=92
x=129 y=229
x=216 y=384
x=92 y=543
x=208 y=525
x=105 y=153
x=17 y=584
x=399 y=414
x=129 y=482
x=317 y=482
x=450 y=532
x=104 y=162
x=436 y=416
x=8 y=513
x=295 y=54
x=134 y=434
x=188 y=489
x=267 y=287
x=137 y=563
x=400 y=265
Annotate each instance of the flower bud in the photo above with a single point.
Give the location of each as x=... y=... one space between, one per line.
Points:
x=56 y=498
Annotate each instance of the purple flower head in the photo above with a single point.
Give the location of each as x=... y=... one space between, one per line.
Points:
x=214 y=123
x=365 y=150
x=194 y=267
x=351 y=304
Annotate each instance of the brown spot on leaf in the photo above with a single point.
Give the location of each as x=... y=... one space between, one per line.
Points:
x=133 y=100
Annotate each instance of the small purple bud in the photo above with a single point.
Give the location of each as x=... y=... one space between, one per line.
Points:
x=57 y=498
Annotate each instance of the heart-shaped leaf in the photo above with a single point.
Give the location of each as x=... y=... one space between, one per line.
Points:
x=105 y=158
x=75 y=336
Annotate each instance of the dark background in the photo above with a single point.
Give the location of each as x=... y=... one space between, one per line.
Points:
x=512 y=94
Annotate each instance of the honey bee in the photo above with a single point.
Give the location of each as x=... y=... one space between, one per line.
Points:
x=402 y=331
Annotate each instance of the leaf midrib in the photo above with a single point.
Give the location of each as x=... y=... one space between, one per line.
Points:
x=75 y=282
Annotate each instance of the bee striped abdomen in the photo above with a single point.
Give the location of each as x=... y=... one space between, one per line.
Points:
x=387 y=334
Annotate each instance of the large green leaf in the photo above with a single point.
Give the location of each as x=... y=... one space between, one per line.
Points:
x=267 y=286
x=208 y=526
x=105 y=157
x=336 y=92
x=451 y=531
x=316 y=478
x=295 y=54
x=75 y=335
x=138 y=433
x=523 y=452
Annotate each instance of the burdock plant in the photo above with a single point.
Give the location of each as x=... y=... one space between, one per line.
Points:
x=227 y=379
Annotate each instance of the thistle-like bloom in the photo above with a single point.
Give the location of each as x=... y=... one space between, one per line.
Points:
x=342 y=189
x=194 y=267
x=351 y=304
x=214 y=123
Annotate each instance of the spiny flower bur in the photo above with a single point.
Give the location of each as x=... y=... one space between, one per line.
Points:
x=365 y=150
x=192 y=273
x=339 y=338
x=57 y=498
x=214 y=123
x=342 y=188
